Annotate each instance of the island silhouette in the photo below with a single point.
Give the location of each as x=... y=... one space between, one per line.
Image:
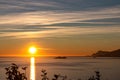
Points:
x=114 y=53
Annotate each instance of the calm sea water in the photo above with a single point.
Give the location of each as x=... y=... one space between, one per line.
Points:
x=72 y=67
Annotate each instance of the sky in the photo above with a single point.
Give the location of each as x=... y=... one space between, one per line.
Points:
x=59 y=27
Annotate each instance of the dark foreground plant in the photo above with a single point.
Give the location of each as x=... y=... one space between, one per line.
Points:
x=13 y=73
x=59 y=76
x=44 y=75
x=56 y=76
x=96 y=77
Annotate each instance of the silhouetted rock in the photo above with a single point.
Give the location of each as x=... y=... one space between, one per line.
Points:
x=60 y=57
x=115 y=53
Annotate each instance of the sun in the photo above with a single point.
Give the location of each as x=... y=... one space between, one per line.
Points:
x=32 y=50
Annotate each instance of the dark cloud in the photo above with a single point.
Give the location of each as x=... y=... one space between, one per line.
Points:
x=54 y=16
x=20 y=6
x=84 y=24
x=116 y=20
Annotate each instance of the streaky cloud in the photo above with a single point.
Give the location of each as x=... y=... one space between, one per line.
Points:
x=52 y=17
x=64 y=32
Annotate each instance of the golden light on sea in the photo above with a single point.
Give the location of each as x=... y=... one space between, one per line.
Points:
x=32 y=68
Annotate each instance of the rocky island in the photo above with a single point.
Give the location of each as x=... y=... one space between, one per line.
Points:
x=115 y=53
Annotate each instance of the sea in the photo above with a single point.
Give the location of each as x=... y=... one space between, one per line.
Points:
x=73 y=67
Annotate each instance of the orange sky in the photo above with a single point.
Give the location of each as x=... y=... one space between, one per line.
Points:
x=67 y=27
x=51 y=47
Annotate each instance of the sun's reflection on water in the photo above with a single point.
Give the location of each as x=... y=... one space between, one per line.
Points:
x=32 y=68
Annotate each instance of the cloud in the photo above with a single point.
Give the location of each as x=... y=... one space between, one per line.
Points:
x=62 y=32
x=15 y=6
x=52 y=17
x=56 y=18
x=21 y=6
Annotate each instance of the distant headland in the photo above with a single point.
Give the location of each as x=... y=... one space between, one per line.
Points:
x=115 y=53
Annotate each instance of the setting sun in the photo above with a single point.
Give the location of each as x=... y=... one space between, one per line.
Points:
x=32 y=50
